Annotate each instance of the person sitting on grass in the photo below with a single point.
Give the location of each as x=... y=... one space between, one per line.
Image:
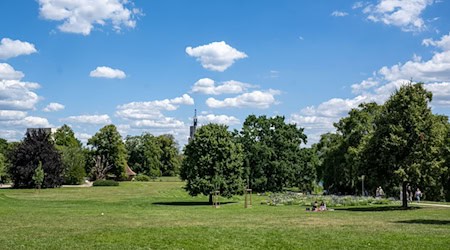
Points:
x=315 y=207
x=323 y=206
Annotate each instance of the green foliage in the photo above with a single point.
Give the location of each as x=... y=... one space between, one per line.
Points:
x=407 y=142
x=74 y=163
x=3 y=169
x=39 y=176
x=72 y=155
x=273 y=157
x=64 y=136
x=36 y=147
x=105 y=183
x=213 y=161
x=142 y=177
x=153 y=156
x=333 y=201
x=340 y=154
x=108 y=144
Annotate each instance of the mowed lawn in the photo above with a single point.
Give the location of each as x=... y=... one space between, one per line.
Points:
x=160 y=215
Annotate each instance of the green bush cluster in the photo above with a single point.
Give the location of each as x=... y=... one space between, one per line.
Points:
x=291 y=198
x=105 y=183
x=142 y=177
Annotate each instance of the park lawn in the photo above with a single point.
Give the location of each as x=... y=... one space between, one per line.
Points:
x=160 y=215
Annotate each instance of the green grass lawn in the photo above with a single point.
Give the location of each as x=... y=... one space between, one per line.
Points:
x=160 y=215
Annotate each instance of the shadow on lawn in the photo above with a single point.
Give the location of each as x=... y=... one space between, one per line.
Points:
x=425 y=222
x=377 y=209
x=189 y=203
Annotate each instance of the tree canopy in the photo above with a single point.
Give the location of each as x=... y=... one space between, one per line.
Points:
x=213 y=161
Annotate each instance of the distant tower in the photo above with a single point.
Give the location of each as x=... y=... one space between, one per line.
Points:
x=193 y=128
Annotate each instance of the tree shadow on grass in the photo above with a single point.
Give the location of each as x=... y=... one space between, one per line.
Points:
x=378 y=209
x=189 y=203
x=425 y=222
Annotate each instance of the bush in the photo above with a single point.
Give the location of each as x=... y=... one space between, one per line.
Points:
x=142 y=177
x=105 y=183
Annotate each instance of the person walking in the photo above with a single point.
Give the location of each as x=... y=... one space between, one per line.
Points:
x=418 y=195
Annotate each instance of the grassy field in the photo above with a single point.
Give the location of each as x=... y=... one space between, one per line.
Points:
x=160 y=215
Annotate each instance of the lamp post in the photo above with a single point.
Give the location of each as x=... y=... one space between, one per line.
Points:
x=362 y=184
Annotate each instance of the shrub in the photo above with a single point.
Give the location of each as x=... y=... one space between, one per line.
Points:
x=142 y=177
x=105 y=183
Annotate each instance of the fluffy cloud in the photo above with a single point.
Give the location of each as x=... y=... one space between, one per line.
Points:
x=12 y=48
x=88 y=119
x=216 y=56
x=53 y=106
x=435 y=73
x=6 y=115
x=27 y=122
x=405 y=14
x=339 y=13
x=17 y=95
x=151 y=109
x=209 y=87
x=80 y=16
x=221 y=119
x=107 y=72
x=255 y=99
x=9 y=73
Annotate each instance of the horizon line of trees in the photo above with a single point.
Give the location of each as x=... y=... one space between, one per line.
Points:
x=396 y=145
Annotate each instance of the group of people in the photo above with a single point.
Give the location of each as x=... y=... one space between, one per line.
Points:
x=317 y=208
x=409 y=194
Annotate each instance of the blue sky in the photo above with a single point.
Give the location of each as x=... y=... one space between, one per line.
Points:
x=146 y=65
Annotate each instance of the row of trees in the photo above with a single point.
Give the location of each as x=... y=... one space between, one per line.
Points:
x=395 y=145
x=64 y=160
x=265 y=156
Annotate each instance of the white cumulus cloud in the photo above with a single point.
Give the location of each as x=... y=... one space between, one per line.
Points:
x=17 y=95
x=81 y=16
x=337 y=13
x=107 y=72
x=53 y=106
x=12 y=48
x=88 y=119
x=209 y=87
x=406 y=14
x=255 y=99
x=7 y=72
x=216 y=56
x=221 y=119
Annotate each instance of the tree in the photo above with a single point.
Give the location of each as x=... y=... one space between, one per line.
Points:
x=144 y=154
x=273 y=155
x=3 y=168
x=39 y=176
x=169 y=158
x=213 y=161
x=406 y=142
x=108 y=144
x=37 y=146
x=72 y=154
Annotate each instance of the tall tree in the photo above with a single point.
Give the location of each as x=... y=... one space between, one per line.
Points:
x=73 y=157
x=272 y=154
x=213 y=161
x=405 y=141
x=108 y=144
x=36 y=147
x=144 y=154
x=169 y=158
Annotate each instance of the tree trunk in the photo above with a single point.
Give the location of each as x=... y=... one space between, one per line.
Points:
x=210 y=199
x=404 y=195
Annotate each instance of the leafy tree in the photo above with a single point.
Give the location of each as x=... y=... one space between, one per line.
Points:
x=108 y=144
x=405 y=143
x=213 y=161
x=64 y=136
x=73 y=157
x=144 y=154
x=3 y=169
x=273 y=155
x=39 y=176
x=169 y=158
x=37 y=146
